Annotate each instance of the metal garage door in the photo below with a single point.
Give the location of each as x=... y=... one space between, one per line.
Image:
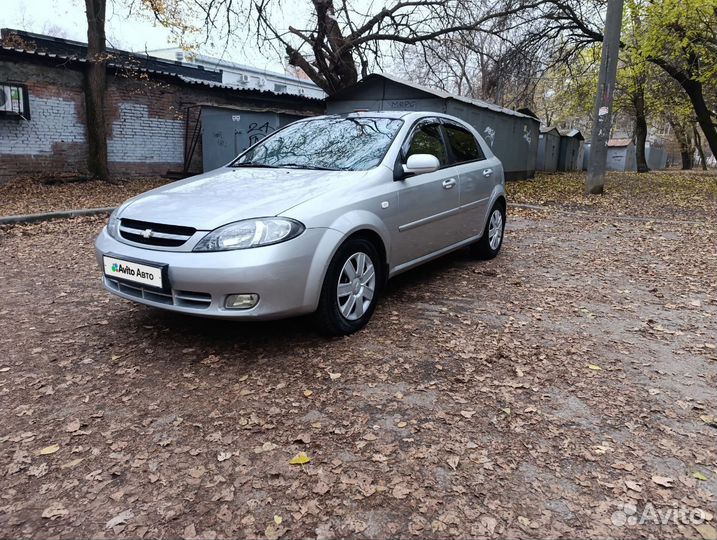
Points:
x=227 y=132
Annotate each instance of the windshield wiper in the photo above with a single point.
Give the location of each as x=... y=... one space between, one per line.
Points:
x=254 y=164
x=310 y=167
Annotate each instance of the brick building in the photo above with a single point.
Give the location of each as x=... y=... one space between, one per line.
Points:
x=154 y=111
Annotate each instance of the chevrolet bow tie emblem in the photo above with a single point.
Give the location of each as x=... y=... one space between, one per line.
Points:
x=147 y=233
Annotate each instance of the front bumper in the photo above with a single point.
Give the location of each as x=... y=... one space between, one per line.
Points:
x=286 y=276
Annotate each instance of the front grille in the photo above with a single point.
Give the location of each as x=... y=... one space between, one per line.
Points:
x=154 y=234
x=186 y=299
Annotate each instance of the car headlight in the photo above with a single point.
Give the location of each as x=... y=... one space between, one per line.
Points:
x=250 y=233
x=113 y=225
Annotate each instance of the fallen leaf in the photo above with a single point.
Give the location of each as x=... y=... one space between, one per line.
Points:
x=453 y=462
x=634 y=486
x=505 y=410
x=334 y=376
x=321 y=488
x=119 y=519
x=400 y=491
x=663 y=481
x=271 y=532
x=699 y=476
x=402 y=424
x=49 y=449
x=196 y=472
x=190 y=532
x=308 y=393
x=300 y=459
x=55 y=510
x=707 y=531
x=278 y=519
x=38 y=471
x=266 y=447
x=594 y=367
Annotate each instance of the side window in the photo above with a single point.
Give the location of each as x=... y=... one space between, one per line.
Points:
x=426 y=139
x=463 y=144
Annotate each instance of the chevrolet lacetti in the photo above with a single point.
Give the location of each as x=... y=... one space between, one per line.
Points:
x=313 y=218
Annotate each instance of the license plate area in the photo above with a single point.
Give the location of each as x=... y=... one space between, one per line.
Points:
x=149 y=275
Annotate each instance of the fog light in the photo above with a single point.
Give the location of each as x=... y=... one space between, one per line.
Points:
x=241 y=301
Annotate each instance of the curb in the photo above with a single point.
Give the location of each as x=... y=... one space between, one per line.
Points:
x=47 y=216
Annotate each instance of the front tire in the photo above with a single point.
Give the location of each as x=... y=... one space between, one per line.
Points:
x=350 y=289
x=491 y=241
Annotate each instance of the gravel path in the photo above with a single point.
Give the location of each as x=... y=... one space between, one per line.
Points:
x=531 y=396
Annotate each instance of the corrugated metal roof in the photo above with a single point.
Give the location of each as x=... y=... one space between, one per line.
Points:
x=211 y=84
x=616 y=143
x=446 y=95
x=548 y=129
x=184 y=79
x=572 y=133
x=54 y=47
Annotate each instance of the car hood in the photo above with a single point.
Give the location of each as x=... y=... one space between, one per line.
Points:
x=225 y=195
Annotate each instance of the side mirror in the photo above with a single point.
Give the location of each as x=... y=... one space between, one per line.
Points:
x=421 y=164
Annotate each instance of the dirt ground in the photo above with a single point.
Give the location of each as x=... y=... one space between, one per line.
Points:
x=563 y=389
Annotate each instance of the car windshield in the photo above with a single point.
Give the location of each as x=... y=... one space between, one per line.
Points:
x=350 y=144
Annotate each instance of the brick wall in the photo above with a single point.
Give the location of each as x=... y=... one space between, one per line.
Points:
x=146 y=121
x=138 y=137
x=54 y=138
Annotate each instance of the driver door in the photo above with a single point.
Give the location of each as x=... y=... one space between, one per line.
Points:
x=428 y=216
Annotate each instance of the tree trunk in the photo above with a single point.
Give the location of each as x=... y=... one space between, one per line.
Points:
x=704 y=117
x=686 y=159
x=683 y=139
x=693 y=89
x=640 y=130
x=95 y=82
x=700 y=150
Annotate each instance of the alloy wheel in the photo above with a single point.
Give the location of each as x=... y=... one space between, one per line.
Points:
x=495 y=229
x=356 y=287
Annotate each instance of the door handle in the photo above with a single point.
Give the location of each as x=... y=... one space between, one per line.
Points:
x=487 y=172
x=448 y=184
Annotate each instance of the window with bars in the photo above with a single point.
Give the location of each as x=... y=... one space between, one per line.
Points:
x=14 y=100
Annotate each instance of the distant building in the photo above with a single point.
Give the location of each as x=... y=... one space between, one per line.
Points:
x=243 y=76
x=571 y=150
x=548 y=149
x=163 y=117
x=621 y=155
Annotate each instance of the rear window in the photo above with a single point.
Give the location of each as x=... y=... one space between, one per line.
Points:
x=463 y=144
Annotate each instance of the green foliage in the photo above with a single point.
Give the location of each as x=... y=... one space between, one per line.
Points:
x=683 y=33
x=566 y=92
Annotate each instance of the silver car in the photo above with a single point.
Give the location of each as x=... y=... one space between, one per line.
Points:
x=315 y=218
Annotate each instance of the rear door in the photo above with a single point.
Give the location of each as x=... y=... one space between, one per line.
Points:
x=428 y=203
x=477 y=176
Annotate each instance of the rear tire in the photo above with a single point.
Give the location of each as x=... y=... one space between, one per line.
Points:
x=350 y=289
x=491 y=241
